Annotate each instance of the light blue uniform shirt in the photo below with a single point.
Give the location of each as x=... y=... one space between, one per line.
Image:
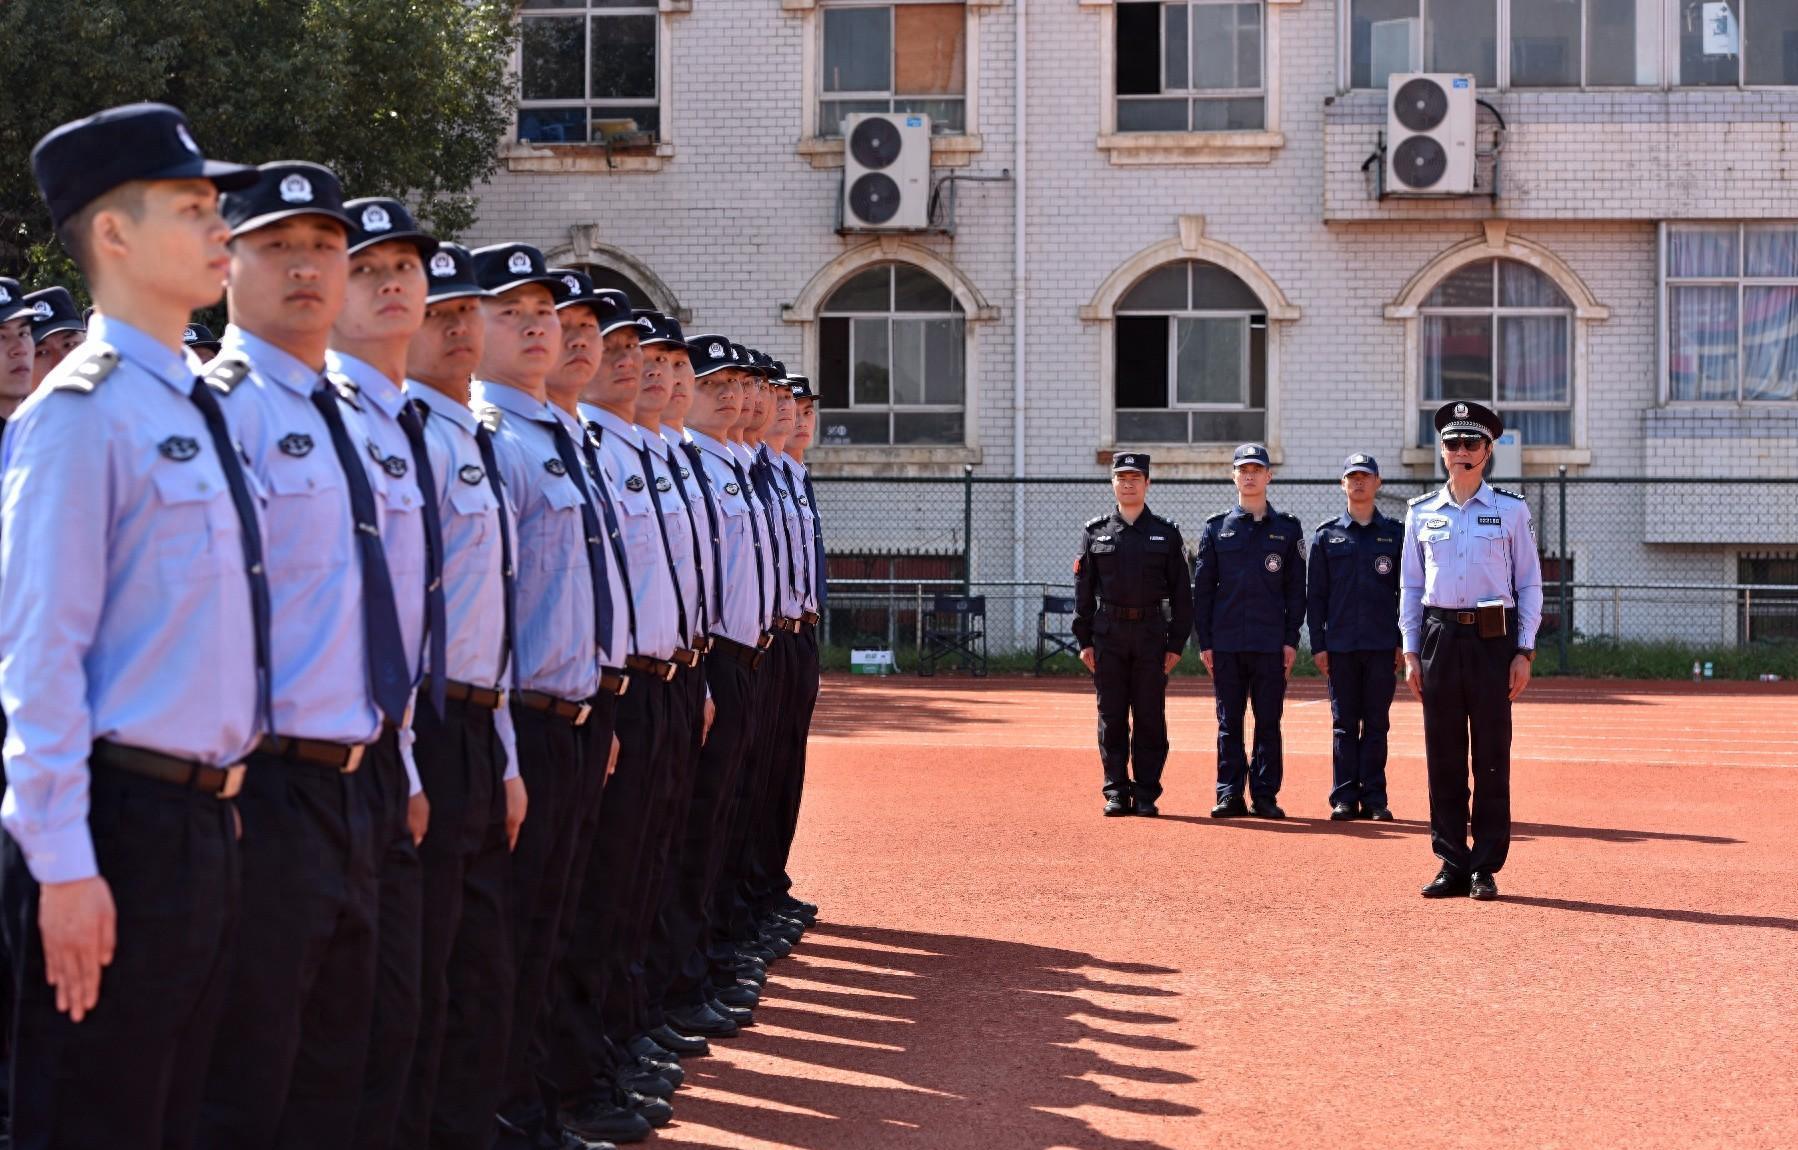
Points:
x=808 y=518
x=742 y=619
x=474 y=588
x=1457 y=556
x=558 y=653
x=124 y=608
x=317 y=649
x=795 y=541
x=698 y=523
x=774 y=552
x=681 y=532
x=652 y=583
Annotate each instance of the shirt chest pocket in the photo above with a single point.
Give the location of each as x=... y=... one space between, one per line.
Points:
x=1490 y=546
x=1340 y=553
x=1439 y=542
x=637 y=523
x=1105 y=555
x=472 y=510
x=307 y=497
x=557 y=536
x=198 y=536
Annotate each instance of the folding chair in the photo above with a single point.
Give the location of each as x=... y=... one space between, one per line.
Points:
x=955 y=627
x=1059 y=641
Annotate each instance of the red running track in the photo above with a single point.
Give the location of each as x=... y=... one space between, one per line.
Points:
x=999 y=967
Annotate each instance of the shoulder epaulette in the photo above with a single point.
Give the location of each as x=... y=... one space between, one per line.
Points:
x=1095 y=521
x=225 y=373
x=1215 y=518
x=1169 y=522
x=1326 y=523
x=1512 y=494
x=1286 y=515
x=489 y=416
x=87 y=373
x=1416 y=499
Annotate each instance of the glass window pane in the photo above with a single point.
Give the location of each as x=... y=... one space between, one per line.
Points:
x=871 y=290
x=1176 y=53
x=1701 y=335
x=1383 y=37
x=553 y=57
x=1226 y=46
x=1710 y=40
x=1623 y=43
x=908 y=361
x=1237 y=114
x=1520 y=285
x=1701 y=252
x=1457 y=357
x=948 y=115
x=917 y=290
x=607 y=278
x=833 y=362
x=1532 y=358
x=1228 y=426
x=553 y=125
x=1258 y=362
x=1139 y=348
x=1163 y=289
x=858 y=53
x=1209 y=360
x=846 y=427
x=1545 y=37
x=1215 y=289
x=1152 y=115
x=872 y=369
x=1462 y=36
x=1772 y=52
x=929 y=58
x=1539 y=428
x=945 y=351
x=1469 y=286
x=1151 y=427
x=1772 y=251
x=928 y=427
x=614 y=119
x=831 y=113
x=624 y=57
x=1770 y=342
x=1138 y=66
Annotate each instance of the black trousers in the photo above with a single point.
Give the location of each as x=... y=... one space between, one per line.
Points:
x=1466 y=692
x=801 y=704
x=651 y=979
x=1242 y=678
x=399 y=928
x=130 y=1074
x=678 y=964
x=760 y=781
x=1131 y=684
x=728 y=918
x=465 y=950
x=1361 y=688
x=287 y=1068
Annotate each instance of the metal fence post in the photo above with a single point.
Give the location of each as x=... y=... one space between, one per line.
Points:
x=1561 y=572
x=967 y=529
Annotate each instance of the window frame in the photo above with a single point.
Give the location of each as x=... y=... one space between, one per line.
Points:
x=818 y=96
x=1193 y=95
x=1248 y=317
x=1741 y=282
x=588 y=12
x=892 y=407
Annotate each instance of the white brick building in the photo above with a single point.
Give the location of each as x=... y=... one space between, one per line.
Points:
x=1319 y=337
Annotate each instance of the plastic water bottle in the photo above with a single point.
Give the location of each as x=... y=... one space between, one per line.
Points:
x=1697 y=671
x=1707 y=669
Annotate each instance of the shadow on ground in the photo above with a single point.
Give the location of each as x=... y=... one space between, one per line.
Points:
x=948 y=1041
x=1520 y=832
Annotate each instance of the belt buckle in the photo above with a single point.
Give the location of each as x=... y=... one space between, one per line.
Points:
x=504 y=699
x=666 y=671
x=582 y=713
x=686 y=657
x=764 y=641
x=1466 y=618
x=233 y=781
x=354 y=761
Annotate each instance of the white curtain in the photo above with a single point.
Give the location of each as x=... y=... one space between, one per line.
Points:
x=1770 y=343
x=1701 y=353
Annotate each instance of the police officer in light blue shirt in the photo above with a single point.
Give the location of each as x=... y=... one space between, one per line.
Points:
x=133 y=617
x=1469 y=606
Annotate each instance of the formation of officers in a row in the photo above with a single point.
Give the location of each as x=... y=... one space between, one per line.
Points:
x=1452 y=596
x=408 y=707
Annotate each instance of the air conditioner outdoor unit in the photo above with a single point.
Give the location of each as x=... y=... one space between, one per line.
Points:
x=886 y=172
x=1429 y=134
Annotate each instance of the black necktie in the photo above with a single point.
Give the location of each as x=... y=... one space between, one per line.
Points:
x=759 y=479
x=755 y=534
x=389 y=680
x=820 y=580
x=655 y=499
x=680 y=485
x=590 y=448
x=483 y=439
x=248 y=526
x=777 y=506
x=411 y=420
x=596 y=563
x=691 y=450
x=808 y=576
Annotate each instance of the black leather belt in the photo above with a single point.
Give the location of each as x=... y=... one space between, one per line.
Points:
x=561 y=708
x=686 y=657
x=764 y=641
x=487 y=698
x=743 y=653
x=703 y=644
x=345 y=757
x=662 y=669
x=810 y=617
x=613 y=681
x=222 y=782
x=784 y=624
x=1462 y=618
x=1130 y=614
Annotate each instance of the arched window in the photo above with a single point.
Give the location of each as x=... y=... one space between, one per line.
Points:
x=1190 y=347
x=1500 y=332
x=892 y=348
x=605 y=277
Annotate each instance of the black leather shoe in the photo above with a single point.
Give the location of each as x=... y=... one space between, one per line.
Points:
x=652 y=1110
x=1114 y=807
x=645 y=1047
x=748 y=972
x=737 y=1014
x=668 y=1038
x=702 y=1021
x=1343 y=812
x=803 y=911
x=1448 y=883
x=513 y=1138
x=1482 y=886
x=1267 y=809
x=1377 y=814
x=755 y=950
x=775 y=945
x=1230 y=808
x=745 y=996
x=639 y=1079
x=1147 y=809
x=606 y=1116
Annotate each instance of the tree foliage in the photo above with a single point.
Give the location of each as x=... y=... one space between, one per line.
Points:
x=405 y=98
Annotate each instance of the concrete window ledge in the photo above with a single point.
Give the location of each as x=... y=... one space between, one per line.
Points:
x=1136 y=149
x=585 y=158
x=1532 y=456
x=931 y=462
x=945 y=151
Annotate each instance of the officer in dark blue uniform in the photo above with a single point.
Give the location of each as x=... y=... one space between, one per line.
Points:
x=1131 y=562
x=1248 y=603
x=1352 y=612
x=56 y=329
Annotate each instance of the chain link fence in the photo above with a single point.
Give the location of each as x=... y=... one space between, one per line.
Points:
x=1705 y=566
